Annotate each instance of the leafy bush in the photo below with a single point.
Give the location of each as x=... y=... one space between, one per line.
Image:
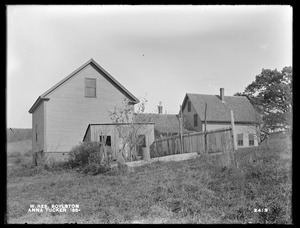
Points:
x=86 y=159
x=79 y=155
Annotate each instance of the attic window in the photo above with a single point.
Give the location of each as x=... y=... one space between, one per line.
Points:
x=195 y=120
x=189 y=106
x=90 y=87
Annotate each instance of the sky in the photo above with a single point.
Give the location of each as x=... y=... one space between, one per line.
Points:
x=156 y=52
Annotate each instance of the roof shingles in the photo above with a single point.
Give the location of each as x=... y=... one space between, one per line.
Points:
x=219 y=111
x=164 y=123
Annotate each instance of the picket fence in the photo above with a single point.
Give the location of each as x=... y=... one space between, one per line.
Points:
x=213 y=141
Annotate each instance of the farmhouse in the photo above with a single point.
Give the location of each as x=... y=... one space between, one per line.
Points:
x=246 y=118
x=61 y=115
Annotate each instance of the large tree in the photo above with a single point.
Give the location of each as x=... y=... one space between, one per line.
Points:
x=271 y=94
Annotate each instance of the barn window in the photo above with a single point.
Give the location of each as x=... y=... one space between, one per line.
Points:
x=251 y=140
x=36 y=133
x=195 y=120
x=108 y=140
x=142 y=140
x=189 y=106
x=240 y=139
x=90 y=87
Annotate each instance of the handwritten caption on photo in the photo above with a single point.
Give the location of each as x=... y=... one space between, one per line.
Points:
x=54 y=208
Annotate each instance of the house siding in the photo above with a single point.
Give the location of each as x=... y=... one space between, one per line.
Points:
x=69 y=112
x=245 y=129
x=188 y=118
x=38 y=120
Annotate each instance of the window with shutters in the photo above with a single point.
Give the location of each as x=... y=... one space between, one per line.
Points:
x=90 y=87
x=251 y=140
x=189 y=106
x=195 y=120
x=240 y=139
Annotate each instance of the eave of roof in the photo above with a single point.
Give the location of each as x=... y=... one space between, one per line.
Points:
x=37 y=102
x=133 y=100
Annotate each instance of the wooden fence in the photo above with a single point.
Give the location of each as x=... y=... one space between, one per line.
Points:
x=213 y=141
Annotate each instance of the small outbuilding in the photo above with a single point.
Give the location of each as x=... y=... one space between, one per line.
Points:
x=115 y=134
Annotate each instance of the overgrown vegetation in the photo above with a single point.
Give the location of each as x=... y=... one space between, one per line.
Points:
x=193 y=191
x=86 y=158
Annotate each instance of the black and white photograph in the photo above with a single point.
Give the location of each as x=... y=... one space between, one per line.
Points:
x=149 y=114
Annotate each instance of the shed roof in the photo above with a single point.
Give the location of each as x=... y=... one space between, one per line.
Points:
x=110 y=124
x=110 y=78
x=218 y=111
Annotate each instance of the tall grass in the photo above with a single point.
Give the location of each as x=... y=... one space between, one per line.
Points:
x=192 y=191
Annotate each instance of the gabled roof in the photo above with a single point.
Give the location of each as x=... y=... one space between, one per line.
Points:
x=218 y=111
x=164 y=123
x=110 y=78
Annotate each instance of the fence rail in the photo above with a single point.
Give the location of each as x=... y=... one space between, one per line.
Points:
x=208 y=142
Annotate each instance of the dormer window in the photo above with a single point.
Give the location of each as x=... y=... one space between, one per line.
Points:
x=90 y=87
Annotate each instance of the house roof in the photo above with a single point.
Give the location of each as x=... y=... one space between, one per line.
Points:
x=218 y=111
x=110 y=78
x=164 y=123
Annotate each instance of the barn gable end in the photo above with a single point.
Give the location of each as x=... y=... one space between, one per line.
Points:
x=69 y=111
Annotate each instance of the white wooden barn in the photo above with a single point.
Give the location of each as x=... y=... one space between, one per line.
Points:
x=61 y=115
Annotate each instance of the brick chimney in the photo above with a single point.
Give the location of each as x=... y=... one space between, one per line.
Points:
x=222 y=94
x=160 y=108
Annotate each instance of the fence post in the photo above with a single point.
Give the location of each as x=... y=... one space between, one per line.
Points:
x=181 y=123
x=205 y=134
x=233 y=138
x=233 y=131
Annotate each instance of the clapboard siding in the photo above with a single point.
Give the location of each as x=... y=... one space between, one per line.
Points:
x=246 y=129
x=69 y=112
x=38 y=120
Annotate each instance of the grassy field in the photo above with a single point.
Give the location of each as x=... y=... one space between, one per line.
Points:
x=18 y=153
x=193 y=191
x=22 y=147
